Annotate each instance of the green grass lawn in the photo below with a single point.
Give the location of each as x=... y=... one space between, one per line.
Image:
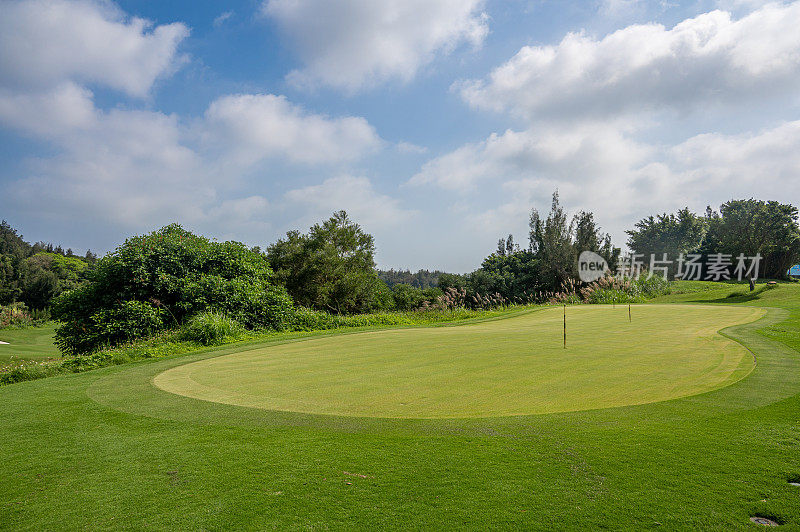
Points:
x=108 y=449
x=509 y=367
x=32 y=343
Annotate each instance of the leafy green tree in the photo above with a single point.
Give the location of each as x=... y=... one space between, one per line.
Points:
x=331 y=268
x=673 y=234
x=421 y=279
x=588 y=237
x=501 y=247
x=34 y=274
x=452 y=280
x=39 y=288
x=407 y=297
x=513 y=275
x=157 y=280
x=551 y=243
x=751 y=226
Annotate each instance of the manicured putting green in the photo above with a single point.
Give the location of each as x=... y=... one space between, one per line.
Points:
x=505 y=367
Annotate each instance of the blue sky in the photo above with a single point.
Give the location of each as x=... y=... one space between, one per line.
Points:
x=437 y=124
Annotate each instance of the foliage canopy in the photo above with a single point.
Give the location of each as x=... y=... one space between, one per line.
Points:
x=157 y=280
x=331 y=268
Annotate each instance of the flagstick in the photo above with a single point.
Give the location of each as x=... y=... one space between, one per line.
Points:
x=629 y=312
x=565 y=326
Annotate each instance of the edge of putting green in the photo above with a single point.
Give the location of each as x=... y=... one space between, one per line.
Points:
x=129 y=389
x=178 y=380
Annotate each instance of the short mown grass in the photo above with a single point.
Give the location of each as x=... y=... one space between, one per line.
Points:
x=107 y=450
x=28 y=343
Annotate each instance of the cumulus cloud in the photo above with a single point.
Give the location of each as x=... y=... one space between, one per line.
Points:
x=766 y=162
x=251 y=127
x=583 y=152
x=356 y=195
x=135 y=168
x=353 y=44
x=619 y=178
x=44 y=43
x=128 y=167
x=49 y=114
x=147 y=167
x=709 y=58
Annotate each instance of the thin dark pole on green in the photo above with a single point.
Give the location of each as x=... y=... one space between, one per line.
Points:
x=565 y=326
x=629 y=312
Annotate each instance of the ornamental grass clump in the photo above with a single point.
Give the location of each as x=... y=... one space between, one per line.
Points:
x=211 y=328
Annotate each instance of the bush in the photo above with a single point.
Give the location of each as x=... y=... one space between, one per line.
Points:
x=407 y=297
x=15 y=315
x=650 y=287
x=127 y=320
x=155 y=281
x=18 y=316
x=211 y=328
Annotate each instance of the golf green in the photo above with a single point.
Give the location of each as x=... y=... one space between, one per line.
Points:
x=514 y=366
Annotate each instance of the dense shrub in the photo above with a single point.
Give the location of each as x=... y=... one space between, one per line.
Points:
x=407 y=297
x=650 y=287
x=210 y=328
x=17 y=315
x=157 y=280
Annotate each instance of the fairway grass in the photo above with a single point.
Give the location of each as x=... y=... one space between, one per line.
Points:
x=31 y=343
x=516 y=366
x=108 y=450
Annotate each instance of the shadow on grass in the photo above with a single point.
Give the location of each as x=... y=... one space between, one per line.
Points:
x=739 y=296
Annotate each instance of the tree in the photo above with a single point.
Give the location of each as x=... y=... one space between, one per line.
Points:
x=501 y=247
x=588 y=237
x=331 y=268
x=421 y=279
x=510 y=247
x=751 y=227
x=673 y=234
x=34 y=274
x=551 y=243
x=514 y=276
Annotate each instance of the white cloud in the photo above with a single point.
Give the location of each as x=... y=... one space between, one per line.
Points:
x=709 y=58
x=356 y=195
x=123 y=167
x=560 y=153
x=765 y=163
x=618 y=178
x=352 y=44
x=251 y=127
x=408 y=147
x=136 y=168
x=50 y=114
x=44 y=43
x=222 y=18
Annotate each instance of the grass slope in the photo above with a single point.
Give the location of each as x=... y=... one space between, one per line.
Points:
x=509 y=367
x=108 y=450
x=32 y=343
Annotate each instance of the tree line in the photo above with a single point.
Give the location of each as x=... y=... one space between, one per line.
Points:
x=36 y=273
x=158 y=280
x=750 y=227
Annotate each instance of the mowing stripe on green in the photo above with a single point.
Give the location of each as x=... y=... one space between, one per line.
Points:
x=515 y=366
